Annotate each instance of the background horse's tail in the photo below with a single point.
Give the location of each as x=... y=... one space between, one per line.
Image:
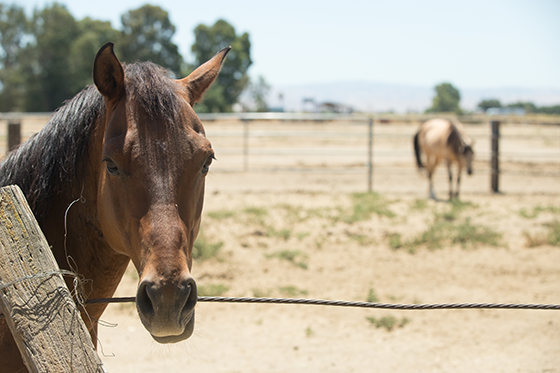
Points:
x=417 y=151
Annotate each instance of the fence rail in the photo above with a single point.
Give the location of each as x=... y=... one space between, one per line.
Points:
x=353 y=144
x=268 y=136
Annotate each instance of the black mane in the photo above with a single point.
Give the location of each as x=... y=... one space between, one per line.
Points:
x=43 y=164
x=51 y=162
x=455 y=140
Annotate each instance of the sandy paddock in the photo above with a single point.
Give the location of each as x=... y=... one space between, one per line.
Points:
x=258 y=216
x=293 y=234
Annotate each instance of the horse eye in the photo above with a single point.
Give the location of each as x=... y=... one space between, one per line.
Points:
x=206 y=166
x=111 y=166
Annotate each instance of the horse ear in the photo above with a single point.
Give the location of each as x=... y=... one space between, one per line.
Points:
x=108 y=73
x=200 y=80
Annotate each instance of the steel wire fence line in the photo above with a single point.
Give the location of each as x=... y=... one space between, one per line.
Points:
x=338 y=303
x=380 y=153
x=360 y=170
x=351 y=134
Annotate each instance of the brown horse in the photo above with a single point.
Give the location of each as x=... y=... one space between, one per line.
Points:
x=441 y=139
x=117 y=175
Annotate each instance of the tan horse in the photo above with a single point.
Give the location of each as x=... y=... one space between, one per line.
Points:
x=121 y=168
x=441 y=139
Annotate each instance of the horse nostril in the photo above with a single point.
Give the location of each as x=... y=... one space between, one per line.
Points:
x=143 y=299
x=192 y=296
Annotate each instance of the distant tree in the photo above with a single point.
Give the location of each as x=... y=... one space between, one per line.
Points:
x=259 y=91
x=233 y=78
x=528 y=106
x=446 y=99
x=146 y=36
x=486 y=104
x=45 y=62
x=13 y=29
x=555 y=109
x=92 y=34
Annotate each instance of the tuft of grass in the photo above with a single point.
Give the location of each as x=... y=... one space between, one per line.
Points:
x=361 y=239
x=535 y=240
x=443 y=232
x=256 y=215
x=292 y=291
x=419 y=204
x=284 y=233
x=301 y=235
x=433 y=237
x=295 y=257
x=554 y=233
x=468 y=234
x=465 y=233
x=221 y=214
x=455 y=210
x=204 y=249
x=552 y=237
x=372 y=297
x=320 y=213
x=309 y=332
x=527 y=214
x=256 y=211
x=395 y=241
x=531 y=214
x=388 y=323
x=367 y=204
x=319 y=242
x=448 y=228
x=212 y=290
x=294 y=214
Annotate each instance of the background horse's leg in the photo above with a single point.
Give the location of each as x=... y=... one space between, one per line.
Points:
x=450 y=173
x=431 y=163
x=459 y=170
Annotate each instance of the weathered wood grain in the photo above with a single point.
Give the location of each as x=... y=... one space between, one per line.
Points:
x=34 y=298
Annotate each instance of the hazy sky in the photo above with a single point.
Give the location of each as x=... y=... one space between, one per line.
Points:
x=472 y=44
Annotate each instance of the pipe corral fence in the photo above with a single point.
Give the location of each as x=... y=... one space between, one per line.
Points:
x=524 y=149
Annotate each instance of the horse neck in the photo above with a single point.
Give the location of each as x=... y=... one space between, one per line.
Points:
x=458 y=127
x=70 y=224
x=455 y=139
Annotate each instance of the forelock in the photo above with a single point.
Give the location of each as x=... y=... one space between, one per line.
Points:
x=152 y=88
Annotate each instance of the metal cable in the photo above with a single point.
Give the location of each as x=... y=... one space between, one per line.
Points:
x=338 y=303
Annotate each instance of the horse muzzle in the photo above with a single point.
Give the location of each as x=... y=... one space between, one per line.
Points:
x=166 y=308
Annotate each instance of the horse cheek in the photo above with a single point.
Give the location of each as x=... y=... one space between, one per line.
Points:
x=109 y=220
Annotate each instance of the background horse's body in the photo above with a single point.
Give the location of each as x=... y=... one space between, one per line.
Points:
x=118 y=175
x=441 y=139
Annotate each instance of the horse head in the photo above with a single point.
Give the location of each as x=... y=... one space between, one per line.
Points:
x=468 y=155
x=150 y=182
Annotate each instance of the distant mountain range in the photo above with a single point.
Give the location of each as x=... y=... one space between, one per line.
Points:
x=380 y=97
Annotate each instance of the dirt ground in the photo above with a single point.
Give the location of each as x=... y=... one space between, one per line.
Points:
x=314 y=236
x=355 y=261
x=317 y=235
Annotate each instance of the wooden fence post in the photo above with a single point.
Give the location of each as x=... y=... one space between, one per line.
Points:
x=495 y=161
x=14 y=134
x=34 y=298
x=370 y=155
x=245 y=145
